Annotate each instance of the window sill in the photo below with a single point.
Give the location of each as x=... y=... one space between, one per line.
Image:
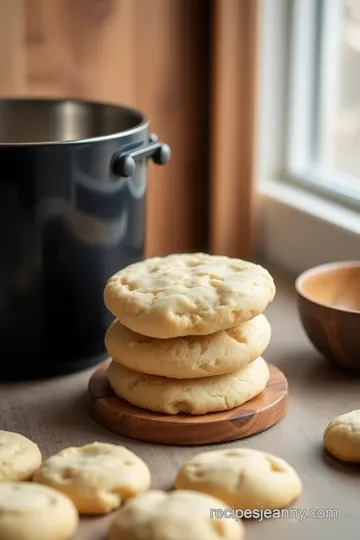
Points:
x=299 y=230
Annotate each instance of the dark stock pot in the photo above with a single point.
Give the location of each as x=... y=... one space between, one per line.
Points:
x=72 y=213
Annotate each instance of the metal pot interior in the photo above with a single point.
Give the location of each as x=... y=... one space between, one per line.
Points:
x=47 y=121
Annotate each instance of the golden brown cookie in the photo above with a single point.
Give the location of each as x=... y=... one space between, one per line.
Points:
x=180 y=515
x=342 y=437
x=30 y=511
x=19 y=457
x=97 y=477
x=191 y=396
x=183 y=295
x=242 y=478
x=189 y=357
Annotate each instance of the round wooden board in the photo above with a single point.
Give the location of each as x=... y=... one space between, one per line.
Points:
x=255 y=416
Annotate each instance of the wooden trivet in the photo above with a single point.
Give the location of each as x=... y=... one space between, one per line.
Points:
x=255 y=416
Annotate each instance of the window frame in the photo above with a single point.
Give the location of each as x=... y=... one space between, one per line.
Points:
x=297 y=200
x=305 y=138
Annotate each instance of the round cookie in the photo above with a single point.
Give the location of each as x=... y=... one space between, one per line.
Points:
x=342 y=437
x=183 y=295
x=190 y=396
x=19 y=457
x=34 y=512
x=96 y=477
x=242 y=478
x=189 y=357
x=179 y=515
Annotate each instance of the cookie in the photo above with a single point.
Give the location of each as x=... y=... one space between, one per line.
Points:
x=183 y=295
x=19 y=457
x=30 y=511
x=342 y=437
x=189 y=357
x=179 y=515
x=190 y=396
x=242 y=478
x=96 y=477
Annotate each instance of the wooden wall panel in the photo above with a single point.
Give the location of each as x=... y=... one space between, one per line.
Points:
x=81 y=48
x=174 y=89
x=12 y=50
x=149 y=54
x=235 y=55
x=162 y=57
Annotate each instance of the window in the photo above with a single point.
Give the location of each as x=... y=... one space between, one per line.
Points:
x=325 y=97
x=309 y=132
x=340 y=122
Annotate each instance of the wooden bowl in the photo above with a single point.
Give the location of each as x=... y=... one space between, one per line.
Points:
x=329 y=307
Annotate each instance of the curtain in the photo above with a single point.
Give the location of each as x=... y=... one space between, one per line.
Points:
x=190 y=66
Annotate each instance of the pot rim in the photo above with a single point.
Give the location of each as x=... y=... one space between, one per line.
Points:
x=143 y=121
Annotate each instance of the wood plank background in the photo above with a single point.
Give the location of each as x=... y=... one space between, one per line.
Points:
x=191 y=66
x=151 y=55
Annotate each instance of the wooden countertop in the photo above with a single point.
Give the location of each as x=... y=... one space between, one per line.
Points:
x=54 y=414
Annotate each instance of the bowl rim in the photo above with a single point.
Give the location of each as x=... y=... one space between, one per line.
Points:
x=324 y=268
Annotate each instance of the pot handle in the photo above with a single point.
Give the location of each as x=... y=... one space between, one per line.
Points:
x=123 y=163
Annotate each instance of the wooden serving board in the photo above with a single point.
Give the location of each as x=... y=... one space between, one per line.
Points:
x=255 y=416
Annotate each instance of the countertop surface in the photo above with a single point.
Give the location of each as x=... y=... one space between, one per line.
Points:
x=54 y=414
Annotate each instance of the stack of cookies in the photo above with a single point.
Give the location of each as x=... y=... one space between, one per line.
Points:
x=189 y=333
